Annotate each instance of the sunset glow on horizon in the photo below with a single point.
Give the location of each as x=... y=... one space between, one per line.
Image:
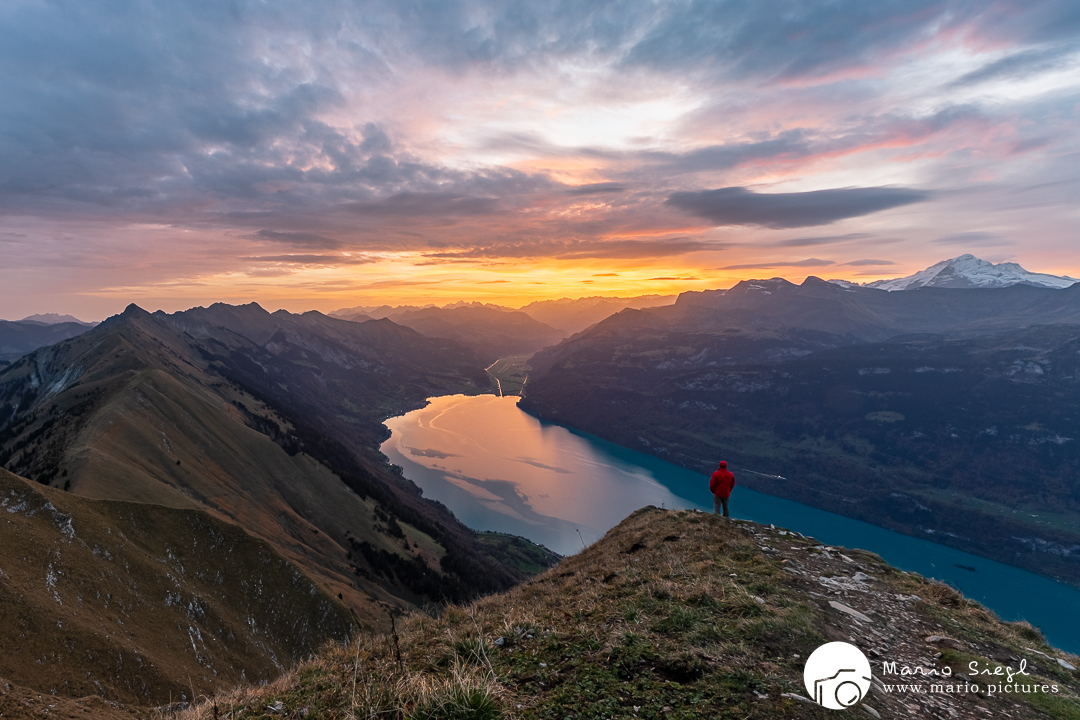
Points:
x=333 y=154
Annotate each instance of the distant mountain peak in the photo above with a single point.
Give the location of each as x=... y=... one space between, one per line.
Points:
x=766 y=287
x=133 y=310
x=968 y=271
x=53 y=319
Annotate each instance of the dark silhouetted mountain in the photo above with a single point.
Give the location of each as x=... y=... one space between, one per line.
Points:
x=494 y=331
x=20 y=338
x=949 y=414
x=55 y=319
x=488 y=332
x=269 y=421
x=866 y=314
x=491 y=331
x=573 y=316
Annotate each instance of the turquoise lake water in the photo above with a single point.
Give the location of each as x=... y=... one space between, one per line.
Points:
x=499 y=468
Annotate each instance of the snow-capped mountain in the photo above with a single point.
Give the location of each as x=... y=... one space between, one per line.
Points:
x=968 y=271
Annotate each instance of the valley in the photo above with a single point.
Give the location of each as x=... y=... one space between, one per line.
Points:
x=369 y=360
x=947 y=414
x=270 y=424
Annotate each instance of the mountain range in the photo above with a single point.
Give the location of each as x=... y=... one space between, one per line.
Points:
x=945 y=413
x=54 y=319
x=968 y=271
x=489 y=331
x=489 y=328
x=268 y=423
x=24 y=336
x=197 y=499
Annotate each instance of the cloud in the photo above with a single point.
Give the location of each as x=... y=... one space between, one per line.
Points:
x=820 y=240
x=975 y=238
x=876 y=273
x=596 y=189
x=537 y=463
x=739 y=206
x=283 y=133
x=605 y=274
x=789 y=145
x=579 y=249
x=804 y=40
x=304 y=239
x=1021 y=65
x=859 y=263
x=325 y=260
x=809 y=262
x=435 y=204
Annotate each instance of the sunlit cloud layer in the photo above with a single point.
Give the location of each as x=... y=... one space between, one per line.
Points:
x=334 y=153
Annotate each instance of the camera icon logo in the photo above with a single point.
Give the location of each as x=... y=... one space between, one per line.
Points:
x=837 y=675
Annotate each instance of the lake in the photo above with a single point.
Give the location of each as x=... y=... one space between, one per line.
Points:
x=499 y=468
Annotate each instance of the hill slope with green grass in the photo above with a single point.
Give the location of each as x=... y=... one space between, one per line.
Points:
x=677 y=615
x=137 y=604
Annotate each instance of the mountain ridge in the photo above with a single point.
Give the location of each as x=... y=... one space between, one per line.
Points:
x=679 y=614
x=279 y=437
x=968 y=271
x=19 y=338
x=846 y=396
x=54 y=319
x=491 y=332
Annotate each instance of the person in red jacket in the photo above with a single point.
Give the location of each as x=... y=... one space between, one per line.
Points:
x=720 y=485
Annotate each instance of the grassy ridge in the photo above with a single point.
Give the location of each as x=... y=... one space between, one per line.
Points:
x=671 y=615
x=138 y=603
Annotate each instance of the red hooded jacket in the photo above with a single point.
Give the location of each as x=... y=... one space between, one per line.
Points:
x=722 y=482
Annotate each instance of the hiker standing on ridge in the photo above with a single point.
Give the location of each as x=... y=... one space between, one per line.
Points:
x=720 y=485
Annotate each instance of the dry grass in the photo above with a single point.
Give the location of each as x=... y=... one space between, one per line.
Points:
x=673 y=616
x=361 y=681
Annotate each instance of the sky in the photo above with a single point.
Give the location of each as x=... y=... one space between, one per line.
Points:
x=327 y=154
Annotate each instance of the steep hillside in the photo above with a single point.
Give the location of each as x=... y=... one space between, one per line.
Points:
x=680 y=615
x=272 y=424
x=137 y=603
x=973 y=438
x=19 y=338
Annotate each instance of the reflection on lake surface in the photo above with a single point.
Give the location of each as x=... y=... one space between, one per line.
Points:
x=498 y=468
